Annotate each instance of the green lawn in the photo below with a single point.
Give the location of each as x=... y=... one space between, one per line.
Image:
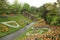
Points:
x=20 y=19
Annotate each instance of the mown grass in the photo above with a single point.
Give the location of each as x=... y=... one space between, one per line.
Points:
x=20 y=19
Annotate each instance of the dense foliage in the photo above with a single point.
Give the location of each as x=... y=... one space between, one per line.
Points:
x=48 y=11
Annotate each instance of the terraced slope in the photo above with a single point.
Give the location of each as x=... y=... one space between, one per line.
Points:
x=19 y=19
x=41 y=31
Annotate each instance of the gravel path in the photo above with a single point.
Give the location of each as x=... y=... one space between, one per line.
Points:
x=16 y=34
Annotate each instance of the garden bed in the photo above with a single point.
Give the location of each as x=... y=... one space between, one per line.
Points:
x=41 y=33
x=31 y=32
x=20 y=20
x=12 y=24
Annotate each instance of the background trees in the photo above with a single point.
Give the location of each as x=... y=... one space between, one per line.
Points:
x=33 y=10
x=52 y=12
x=15 y=8
x=3 y=6
x=26 y=6
x=49 y=12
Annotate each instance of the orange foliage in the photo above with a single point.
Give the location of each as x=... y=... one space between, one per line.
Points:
x=3 y=14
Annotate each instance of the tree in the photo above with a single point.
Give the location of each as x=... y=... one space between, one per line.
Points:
x=3 y=6
x=33 y=10
x=15 y=7
x=26 y=7
x=48 y=12
x=52 y=16
x=58 y=2
x=43 y=11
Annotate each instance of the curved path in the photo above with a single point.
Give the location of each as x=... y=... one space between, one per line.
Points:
x=16 y=34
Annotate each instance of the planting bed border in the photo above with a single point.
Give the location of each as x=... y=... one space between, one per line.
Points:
x=6 y=23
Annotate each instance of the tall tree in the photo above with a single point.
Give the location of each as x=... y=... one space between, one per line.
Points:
x=26 y=6
x=15 y=7
x=58 y=1
x=33 y=10
x=48 y=11
x=3 y=6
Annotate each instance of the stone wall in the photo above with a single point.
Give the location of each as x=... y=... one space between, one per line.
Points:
x=30 y=16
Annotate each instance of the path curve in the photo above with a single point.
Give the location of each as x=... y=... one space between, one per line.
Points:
x=16 y=34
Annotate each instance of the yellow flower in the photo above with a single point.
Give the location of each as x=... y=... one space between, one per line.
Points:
x=3 y=28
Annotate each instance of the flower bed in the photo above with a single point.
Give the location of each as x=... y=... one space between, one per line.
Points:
x=3 y=28
x=37 y=31
x=18 y=23
x=12 y=24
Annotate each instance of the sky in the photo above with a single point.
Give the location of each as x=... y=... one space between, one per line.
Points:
x=36 y=3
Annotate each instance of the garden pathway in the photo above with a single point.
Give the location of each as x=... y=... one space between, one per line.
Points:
x=16 y=34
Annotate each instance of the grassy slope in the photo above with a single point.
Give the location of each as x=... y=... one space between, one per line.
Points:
x=20 y=19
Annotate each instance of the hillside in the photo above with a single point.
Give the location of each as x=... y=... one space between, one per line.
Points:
x=11 y=20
